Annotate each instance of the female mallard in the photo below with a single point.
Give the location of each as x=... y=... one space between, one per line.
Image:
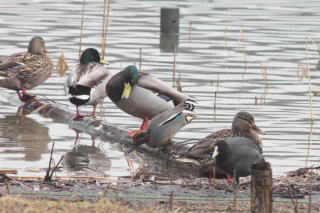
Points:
x=237 y=154
x=243 y=125
x=23 y=71
x=141 y=95
x=87 y=81
x=163 y=127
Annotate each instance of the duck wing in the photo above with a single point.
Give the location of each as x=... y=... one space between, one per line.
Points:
x=157 y=86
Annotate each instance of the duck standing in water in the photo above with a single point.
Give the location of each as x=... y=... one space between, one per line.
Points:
x=87 y=82
x=237 y=154
x=164 y=126
x=141 y=95
x=26 y=70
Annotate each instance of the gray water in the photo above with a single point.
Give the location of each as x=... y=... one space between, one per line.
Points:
x=274 y=33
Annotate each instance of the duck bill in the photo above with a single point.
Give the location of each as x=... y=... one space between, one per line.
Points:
x=126 y=91
x=258 y=130
x=190 y=117
x=216 y=152
x=104 y=62
x=46 y=51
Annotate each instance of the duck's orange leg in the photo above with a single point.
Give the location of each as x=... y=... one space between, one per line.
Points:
x=25 y=96
x=78 y=116
x=143 y=127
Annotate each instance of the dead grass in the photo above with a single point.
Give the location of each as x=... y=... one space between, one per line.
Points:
x=19 y=205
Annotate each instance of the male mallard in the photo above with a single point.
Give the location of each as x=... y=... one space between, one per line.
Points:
x=138 y=94
x=163 y=127
x=87 y=81
x=243 y=125
x=237 y=154
x=23 y=71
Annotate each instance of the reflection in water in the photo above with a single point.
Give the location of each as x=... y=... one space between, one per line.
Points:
x=168 y=41
x=32 y=136
x=83 y=157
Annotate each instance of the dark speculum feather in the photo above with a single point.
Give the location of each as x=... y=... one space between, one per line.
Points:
x=172 y=119
x=77 y=91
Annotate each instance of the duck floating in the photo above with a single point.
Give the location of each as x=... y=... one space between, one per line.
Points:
x=26 y=70
x=87 y=82
x=237 y=154
x=164 y=126
x=141 y=95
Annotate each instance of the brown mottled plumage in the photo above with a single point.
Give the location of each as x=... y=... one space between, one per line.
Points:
x=26 y=70
x=243 y=125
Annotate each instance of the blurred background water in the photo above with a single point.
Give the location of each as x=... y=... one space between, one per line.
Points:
x=211 y=59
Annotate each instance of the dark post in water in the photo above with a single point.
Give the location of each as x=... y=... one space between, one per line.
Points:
x=169 y=20
x=261 y=187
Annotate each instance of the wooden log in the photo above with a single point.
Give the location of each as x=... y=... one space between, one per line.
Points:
x=261 y=188
x=113 y=133
x=9 y=171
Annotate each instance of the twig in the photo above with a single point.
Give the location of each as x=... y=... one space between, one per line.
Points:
x=47 y=177
x=56 y=166
x=140 y=166
x=294 y=204
x=8 y=189
x=105 y=191
x=130 y=166
x=171 y=200
x=310 y=196
x=179 y=88
x=174 y=67
x=83 y=3
x=118 y=184
x=309 y=77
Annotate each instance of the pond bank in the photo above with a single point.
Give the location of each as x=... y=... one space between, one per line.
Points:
x=187 y=194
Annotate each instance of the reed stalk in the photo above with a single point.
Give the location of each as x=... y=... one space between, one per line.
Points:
x=83 y=3
x=311 y=108
x=105 y=30
x=174 y=67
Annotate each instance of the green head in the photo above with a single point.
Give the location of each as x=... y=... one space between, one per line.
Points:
x=90 y=55
x=129 y=77
x=141 y=138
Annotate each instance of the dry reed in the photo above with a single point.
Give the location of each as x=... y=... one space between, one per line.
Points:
x=174 y=66
x=105 y=29
x=83 y=3
x=311 y=108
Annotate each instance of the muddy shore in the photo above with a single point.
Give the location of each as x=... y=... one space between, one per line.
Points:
x=191 y=195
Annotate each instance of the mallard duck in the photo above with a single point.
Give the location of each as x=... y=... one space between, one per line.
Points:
x=141 y=95
x=243 y=125
x=163 y=127
x=87 y=81
x=237 y=154
x=24 y=71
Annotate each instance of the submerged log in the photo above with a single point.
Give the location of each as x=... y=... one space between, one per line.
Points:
x=113 y=133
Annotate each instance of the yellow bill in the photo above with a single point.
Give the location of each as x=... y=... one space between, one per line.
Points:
x=126 y=91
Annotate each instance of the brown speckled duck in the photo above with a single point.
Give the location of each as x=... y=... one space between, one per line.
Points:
x=26 y=70
x=243 y=125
